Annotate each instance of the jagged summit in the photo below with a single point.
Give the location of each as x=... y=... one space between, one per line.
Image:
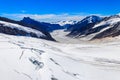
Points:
x=96 y=27
x=83 y=25
x=90 y=19
x=49 y=27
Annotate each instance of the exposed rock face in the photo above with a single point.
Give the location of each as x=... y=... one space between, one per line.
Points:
x=111 y=32
x=82 y=26
x=97 y=28
x=42 y=26
x=36 y=25
x=13 y=31
x=9 y=29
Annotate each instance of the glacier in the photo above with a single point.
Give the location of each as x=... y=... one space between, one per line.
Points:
x=27 y=58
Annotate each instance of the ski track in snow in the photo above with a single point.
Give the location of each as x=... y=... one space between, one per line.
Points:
x=25 y=58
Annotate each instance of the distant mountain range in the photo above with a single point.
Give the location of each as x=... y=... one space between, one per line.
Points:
x=92 y=27
x=49 y=27
x=63 y=23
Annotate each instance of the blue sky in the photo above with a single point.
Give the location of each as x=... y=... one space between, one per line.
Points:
x=53 y=9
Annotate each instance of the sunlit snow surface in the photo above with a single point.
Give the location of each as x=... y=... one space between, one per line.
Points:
x=19 y=27
x=25 y=58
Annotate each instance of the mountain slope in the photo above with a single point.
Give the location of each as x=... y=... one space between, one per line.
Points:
x=108 y=27
x=42 y=26
x=83 y=25
x=111 y=27
x=12 y=27
x=97 y=29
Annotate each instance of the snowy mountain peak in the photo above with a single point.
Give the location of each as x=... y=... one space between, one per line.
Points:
x=63 y=23
x=94 y=27
x=91 y=19
x=109 y=21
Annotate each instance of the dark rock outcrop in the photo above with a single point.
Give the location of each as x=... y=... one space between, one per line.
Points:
x=84 y=25
x=15 y=31
x=106 y=27
x=111 y=32
x=42 y=26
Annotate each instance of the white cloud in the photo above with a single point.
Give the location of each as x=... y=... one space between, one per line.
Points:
x=48 y=17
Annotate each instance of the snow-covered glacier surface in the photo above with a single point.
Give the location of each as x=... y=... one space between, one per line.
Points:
x=25 y=58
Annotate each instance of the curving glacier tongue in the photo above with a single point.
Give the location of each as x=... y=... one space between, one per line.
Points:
x=25 y=58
